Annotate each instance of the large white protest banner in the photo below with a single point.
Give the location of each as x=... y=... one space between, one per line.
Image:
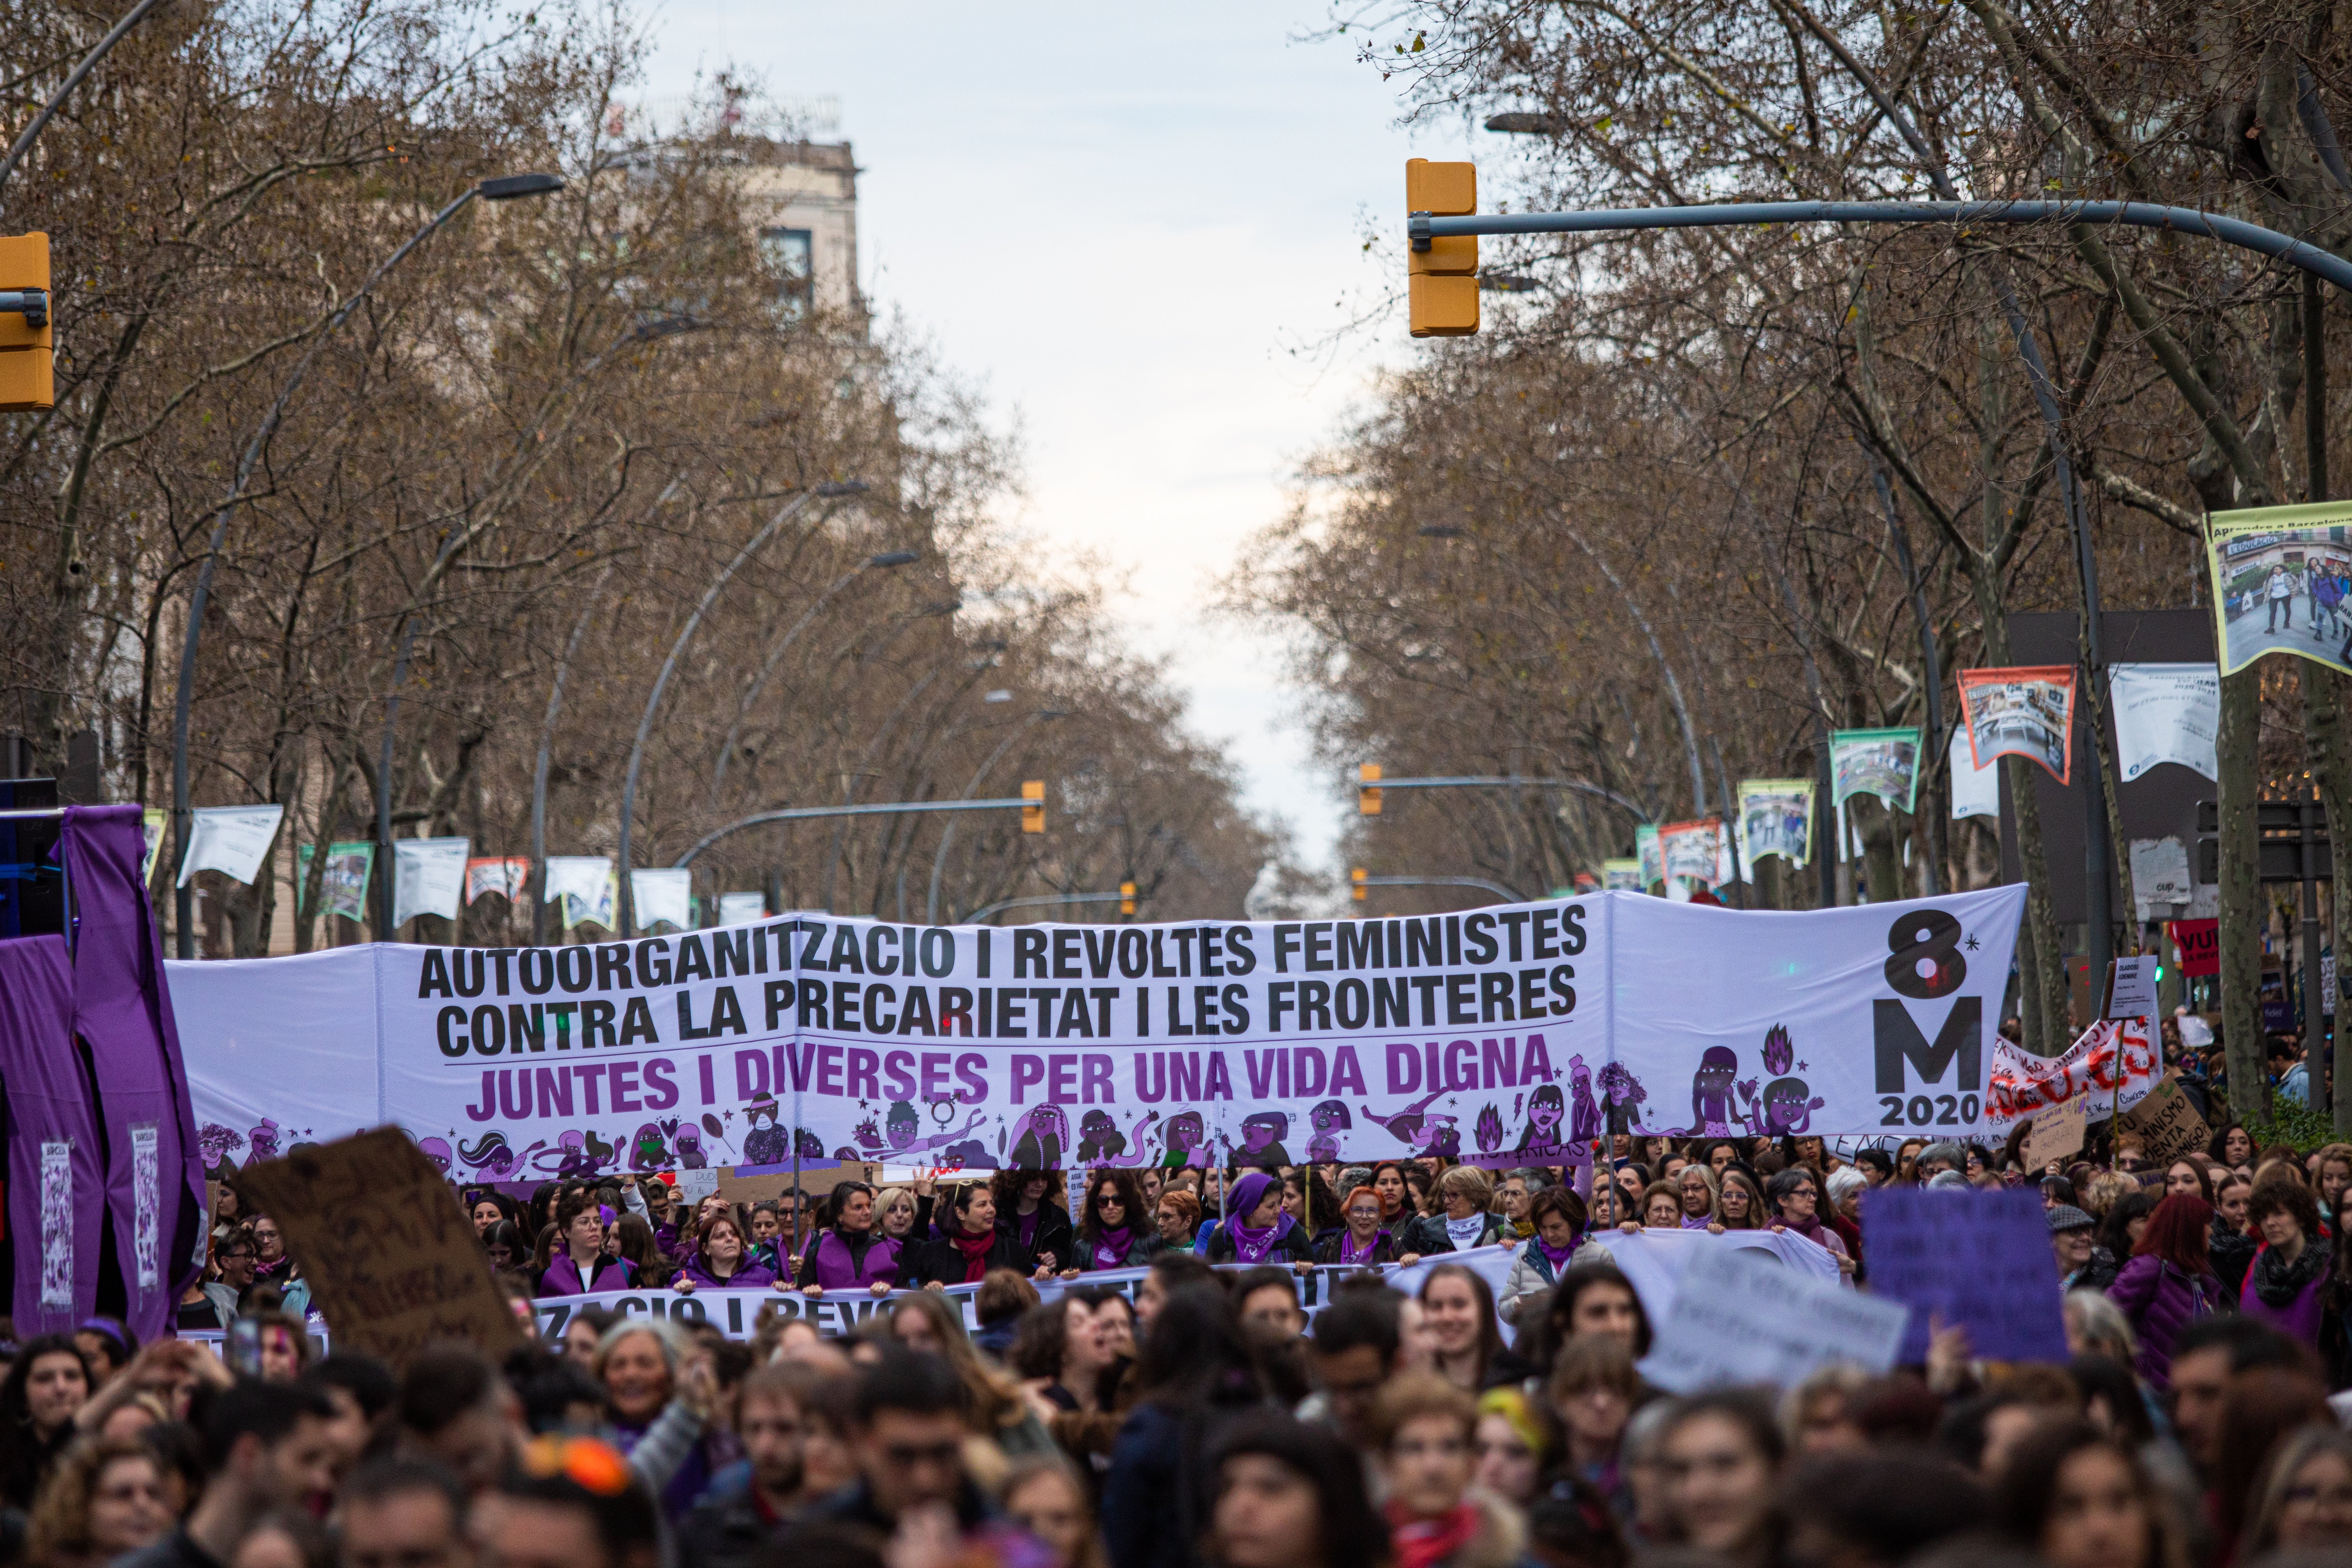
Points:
x=1741 y=1317
x=428 y=877
x=2165 y=713
x=1507 y=1036
x=231 y=839
x=2110 y=1067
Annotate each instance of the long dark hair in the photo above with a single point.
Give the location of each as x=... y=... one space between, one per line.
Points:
x=26 y=1458
x=2029 y=1485
x=1195 y=1353
x=1490 y=1338
x=1131 y=1192
x=1542 y=1333
x=1353 y=1533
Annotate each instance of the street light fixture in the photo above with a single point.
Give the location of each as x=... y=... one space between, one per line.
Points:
x=507 y=188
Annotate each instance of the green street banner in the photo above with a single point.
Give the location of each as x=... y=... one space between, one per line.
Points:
x=2028 y=711
x=1776 y=817
x=1621 y=876
x=1883 y=763
x=1648 y=856
x=342 y=887
x=2281 y=575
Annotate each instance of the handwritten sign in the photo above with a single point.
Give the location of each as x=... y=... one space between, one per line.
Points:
x=2167 y=1122
x=390 y=1256
x=1977 y=1260
x=2131 y=987
x=2056 y=1133
x=1742 y=1316
x=696 y=1186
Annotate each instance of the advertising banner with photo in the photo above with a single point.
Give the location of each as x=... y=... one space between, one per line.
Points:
x=233 y=840
x=1507 y=1036
x=2023 y=712
x=1976 y=790
x=1621 y=876
x=2281 y=575
x=343 y=883
x=507 y=875
x=1776 y=817
x=1883 y=763
x=1694 y=850
x=2165 y=713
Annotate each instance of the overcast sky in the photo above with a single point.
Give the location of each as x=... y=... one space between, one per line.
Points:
x=1131 y=227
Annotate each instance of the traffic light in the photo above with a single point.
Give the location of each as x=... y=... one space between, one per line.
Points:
x=1368 y=793
x=1441 y=274
x=1127 y=897
x=1033 y=817
x=24 y=339
x=1362 y=890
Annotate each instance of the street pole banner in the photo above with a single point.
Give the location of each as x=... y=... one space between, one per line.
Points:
x=2280 y=578
x=734 y=908
x=1648 y=856
x=1693 y=849
x=1883 y=763
x=1621 y=876
x=343 y=883
x=1503 y=1036
x=231 y=839
x=428 y=877
x=1976 y=790
x=1776 y=817
x=2165 y=713
x=735 y=1313
x=507 y=875
x=2025 y=712
x=665 y=896
x=584 y=884
x=154 y=823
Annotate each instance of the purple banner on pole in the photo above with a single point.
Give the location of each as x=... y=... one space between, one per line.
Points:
x=54 y=1184
x=154 y=1183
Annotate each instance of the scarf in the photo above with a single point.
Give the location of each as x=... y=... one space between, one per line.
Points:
x=1425 y=1542
x=1251 y=1245
x=1463 y=1233
x=1695 y=1222
x=1110 y=1247
x=1350 y=1253
x=976 y=1250
x=2278 y=1282
x=1523 y=1229
x=1811 y=1229
x=1557 y=1257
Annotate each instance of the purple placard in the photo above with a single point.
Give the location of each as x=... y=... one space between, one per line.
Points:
x=1980 y=1259
x=54 y=1180
x=154 y=1183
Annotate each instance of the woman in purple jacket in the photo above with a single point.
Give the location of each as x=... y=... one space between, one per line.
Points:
x=2168 y=1282
x=722 y=1259
x=851 y=1255
x=2289 y=1278
x=580 y=1264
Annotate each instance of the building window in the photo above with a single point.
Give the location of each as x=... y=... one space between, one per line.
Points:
x=790 y=253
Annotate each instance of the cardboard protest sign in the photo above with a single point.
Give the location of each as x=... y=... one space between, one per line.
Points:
x=1654 y=1261
x=2280 y=578
x=390 y=1259
x=1741 y=1316
x=1976 y=1260
x=2167 y=1122
x=2025 y=712
x=2056 y=1134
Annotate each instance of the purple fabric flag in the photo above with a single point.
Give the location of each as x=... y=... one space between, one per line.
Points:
x=55 y=1189
x=154 y=1182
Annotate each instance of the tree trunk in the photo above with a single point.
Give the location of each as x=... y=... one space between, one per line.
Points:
x=2331 y=771
x=2042 y=962
x=2241 y=910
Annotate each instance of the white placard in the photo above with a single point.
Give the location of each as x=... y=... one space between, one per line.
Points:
x=1654 y=1261
x=1741 y=1316
x=428 y=877
x=734 y=908
x=2132 y=992
x=663 y=895
x=694 y=1186
x=2160 y=876
x=232 y=839
x=2165 y=713
x=1976 y=790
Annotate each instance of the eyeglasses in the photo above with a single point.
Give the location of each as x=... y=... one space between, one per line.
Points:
x=906 y=1455
x=592 y=1466
x=1110 y=1201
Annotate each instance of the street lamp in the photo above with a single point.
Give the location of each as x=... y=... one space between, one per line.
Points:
x=940 y=860
x=41 y=122
x=504 y=188
x=626 y=904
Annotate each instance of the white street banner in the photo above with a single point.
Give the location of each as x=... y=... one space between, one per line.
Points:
x=665 y=896
x=1776 y=817
x=428 y=877
x=2023 y=712
x=1741 y=1318
x=2160 y=876
x=1976 y=790
x=735 y=1313
x=2165 y=713
x=734 y=908
x=507 y=875
x=231 y=839
x=584 y=884
x=1503 y=1036
x=2110 y=1067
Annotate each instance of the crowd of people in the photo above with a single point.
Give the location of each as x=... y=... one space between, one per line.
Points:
x=1201 y=1416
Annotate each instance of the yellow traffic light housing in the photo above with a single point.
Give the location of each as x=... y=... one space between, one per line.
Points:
x=1441 y=273
x=1033 y=817
x=1362 y=890
x=1368 y=794
x=1127 y=897
x=26 y=362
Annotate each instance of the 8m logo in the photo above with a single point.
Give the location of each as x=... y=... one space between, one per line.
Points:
x=1924 y=964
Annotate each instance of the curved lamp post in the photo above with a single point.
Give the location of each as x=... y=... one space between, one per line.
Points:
x=98 y=52
x=940 y=860
x=506 y=188
x=627 y=911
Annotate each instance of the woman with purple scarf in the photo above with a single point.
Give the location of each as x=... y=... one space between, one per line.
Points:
x=1257 y=1230
x=722 y=1260
x=1111 y=1229
x=580 y=1265
x=1361 y=1240
x=1558 y=1216
x=851 y=1255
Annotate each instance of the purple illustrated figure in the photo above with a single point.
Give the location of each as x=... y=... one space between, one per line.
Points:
x=1046 y=1135
x=265 y=1144
x=1102 y=1143
x=1261 y=1135
x=902 y=1123
x=494 y=1157
x=1711 y=1103
x=1540 y=1139
x=1622 y=1095
x=1330 y=1117
x=1585 y=1126
x=1188 y=1141
x=649 y=1150
x=764 y=1142
x=1418 y=1129
x=216 y=1143
x=1784 y=1110
x=437 y=1151
x=689 y=1148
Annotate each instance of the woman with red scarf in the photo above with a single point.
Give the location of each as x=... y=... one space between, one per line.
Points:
x=970 y=1243
x=1427 y=1430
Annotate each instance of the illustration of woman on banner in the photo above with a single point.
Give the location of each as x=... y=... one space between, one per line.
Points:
x=1547 y=1108
x=1040 y=1145
x=1262 y=1136
x=1330 y=1117
x=1188 y=1141
x=1100 y=1142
